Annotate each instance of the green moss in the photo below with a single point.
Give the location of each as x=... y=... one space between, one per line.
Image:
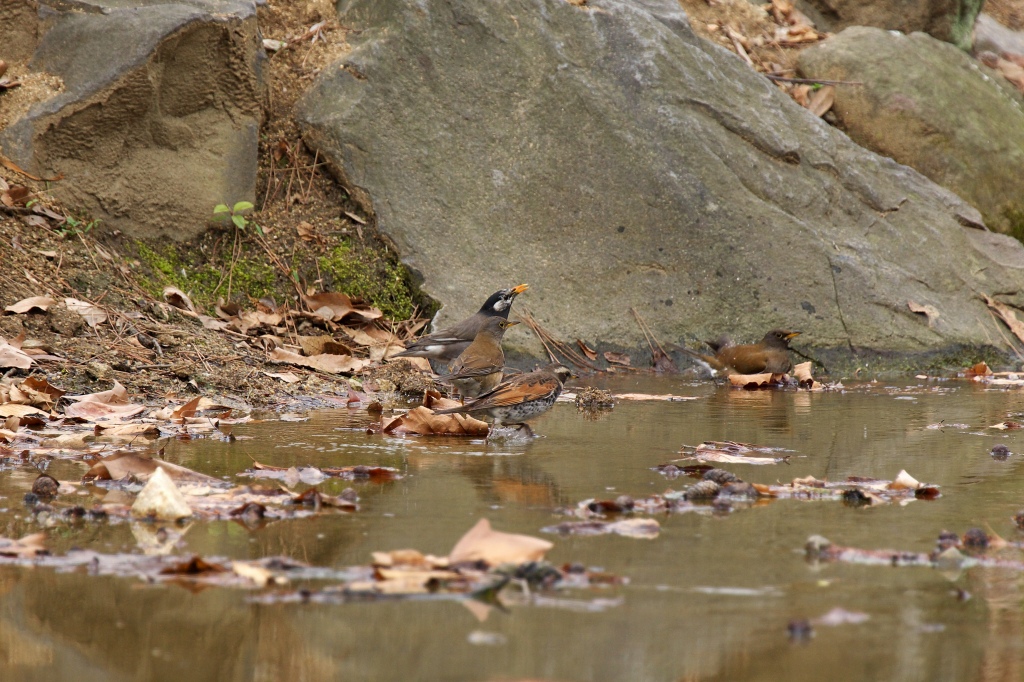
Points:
x=1015 y=221
x=373 y=275
x=205 y=282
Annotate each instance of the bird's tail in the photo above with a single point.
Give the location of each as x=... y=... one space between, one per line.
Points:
x=710 y=364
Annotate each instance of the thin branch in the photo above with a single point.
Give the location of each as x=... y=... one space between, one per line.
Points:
x=808 y=81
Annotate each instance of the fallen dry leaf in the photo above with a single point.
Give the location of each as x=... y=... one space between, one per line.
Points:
x=482 y=543
x=27 y=547
x=94 y=411
x=287 y=377
x=751 y=381
x=212 y=323
x=930 y=312
x=424 y=422
x=1007 y=315
x=587 y=350
x=17 y=410
x=189 y=409
x=320 y=345
x=160 y=498
x=27 y=305
x=92 y=314
x=120 y=464
x=12 y=356
x=177 y=298
x=332 y=364
x=38 y=391
x=822 y=100
x=617 y=358
x=336 y=306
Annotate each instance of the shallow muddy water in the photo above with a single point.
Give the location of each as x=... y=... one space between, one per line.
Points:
x=710 y=598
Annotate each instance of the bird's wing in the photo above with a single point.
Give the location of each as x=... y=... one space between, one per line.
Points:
x=515 y=391
x=744 y=359
x=441 y=338
x=467 y=372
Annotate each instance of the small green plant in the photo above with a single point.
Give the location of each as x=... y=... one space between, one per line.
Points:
x=73 y=226
x=236 y=215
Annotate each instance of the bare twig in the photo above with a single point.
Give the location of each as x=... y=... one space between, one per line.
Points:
x=808 y=81
x=546 y=338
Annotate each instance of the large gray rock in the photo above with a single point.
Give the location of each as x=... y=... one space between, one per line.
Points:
x=948 y=20
x=19 y=29
x=610 y=158
x=938 y=111
x=159 y=117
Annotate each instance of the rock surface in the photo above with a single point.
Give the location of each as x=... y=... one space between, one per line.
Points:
x=609 y=158
x=940 y=112
x=159 y=117
x=949 y=20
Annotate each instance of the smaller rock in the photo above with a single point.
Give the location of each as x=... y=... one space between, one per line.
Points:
x=976 y=538
x=1000 y=452
x=720 y=476
x=702 y=490
x=1018 y=518
x=946 y=540
x=98 y=371
x=739 y=490
x=45 y=486
x=800 y=630
x=162 y=499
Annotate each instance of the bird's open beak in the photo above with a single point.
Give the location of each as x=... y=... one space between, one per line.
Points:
x=511 y=323
x=792 y=335
x=520 y=289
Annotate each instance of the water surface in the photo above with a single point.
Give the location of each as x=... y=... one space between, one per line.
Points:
x=710 y=598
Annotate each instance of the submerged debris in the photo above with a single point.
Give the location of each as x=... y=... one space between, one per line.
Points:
x=588 y=398
x=647 y=529
x=730 y=452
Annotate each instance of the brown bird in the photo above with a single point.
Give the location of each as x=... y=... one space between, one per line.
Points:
x=449 y=343
x=521 y=397
x=480 y=366
x=771 y=354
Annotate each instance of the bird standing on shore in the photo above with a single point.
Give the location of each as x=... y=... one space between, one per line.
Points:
x=448 y=344
x=770 y=354
x=479 y=368
x=521 y=397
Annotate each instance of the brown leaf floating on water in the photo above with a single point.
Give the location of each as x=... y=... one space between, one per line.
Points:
x=754 y=381
x=482 y=543
x=120 y=464
x=26 y=548
x=423 y=422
